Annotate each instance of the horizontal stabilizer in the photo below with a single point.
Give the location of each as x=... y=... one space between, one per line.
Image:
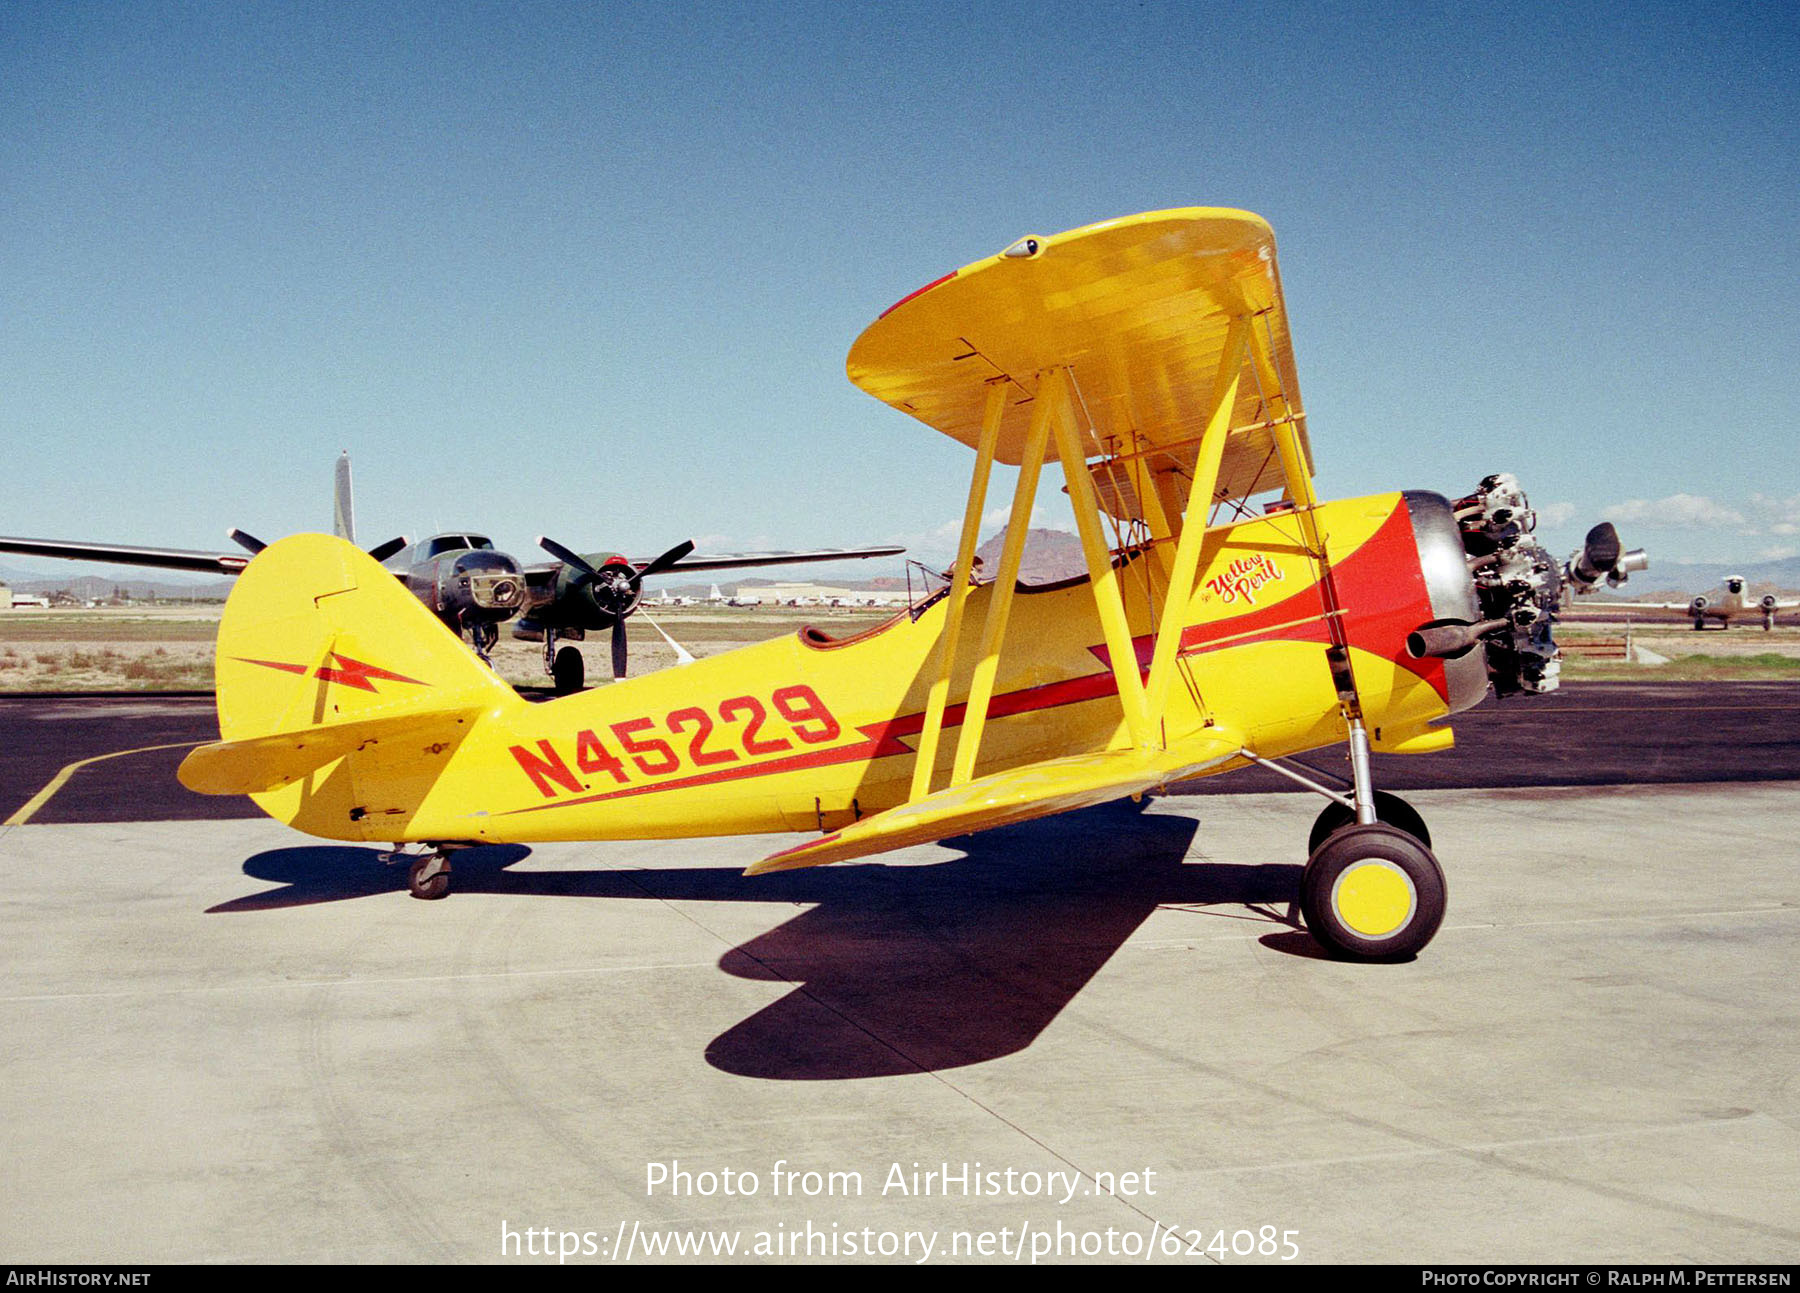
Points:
x=265 y=763
x=1016 y=795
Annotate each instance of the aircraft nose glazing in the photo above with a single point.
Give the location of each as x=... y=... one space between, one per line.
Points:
x=493 y=581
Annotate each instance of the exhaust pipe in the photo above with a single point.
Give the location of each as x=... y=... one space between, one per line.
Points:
x=1449 y=639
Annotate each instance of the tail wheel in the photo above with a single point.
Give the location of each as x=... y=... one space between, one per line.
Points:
x=429 y=877
x=1392 y=809
x=1372 y=893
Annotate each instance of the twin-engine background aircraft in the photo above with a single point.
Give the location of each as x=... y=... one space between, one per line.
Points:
x=1731 y=600
x=474 y=588
x=1149 y=356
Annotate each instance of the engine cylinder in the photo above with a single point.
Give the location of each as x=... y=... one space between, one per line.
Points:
x=1512 y=585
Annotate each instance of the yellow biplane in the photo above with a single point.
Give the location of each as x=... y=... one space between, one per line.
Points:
x=1149 y=357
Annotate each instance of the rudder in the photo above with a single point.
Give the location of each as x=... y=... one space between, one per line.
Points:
x=338 y=689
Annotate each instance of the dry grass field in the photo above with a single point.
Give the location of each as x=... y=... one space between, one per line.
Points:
x=171 y=648
x=1741 y=654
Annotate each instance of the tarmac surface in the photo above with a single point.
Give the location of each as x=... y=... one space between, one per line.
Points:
x=227 y=1041
x=1590 y=734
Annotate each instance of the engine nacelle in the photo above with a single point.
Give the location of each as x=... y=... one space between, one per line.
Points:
x=1698 y=606
x=1768 y=603
x=597 y=602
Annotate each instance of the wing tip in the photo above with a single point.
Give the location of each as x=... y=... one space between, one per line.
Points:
x=792 y=859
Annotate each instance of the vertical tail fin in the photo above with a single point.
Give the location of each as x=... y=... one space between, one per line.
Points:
x=343 y=512
x=340 y=697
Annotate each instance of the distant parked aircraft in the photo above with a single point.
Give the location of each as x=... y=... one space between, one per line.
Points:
x=474 y=588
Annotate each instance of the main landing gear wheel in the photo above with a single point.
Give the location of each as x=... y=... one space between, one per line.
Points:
x=1372 y=893
x=429 y=876
x=1391 y=809
x=569 y=671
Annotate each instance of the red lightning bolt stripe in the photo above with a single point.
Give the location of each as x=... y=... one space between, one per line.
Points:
x=272 y=664
x=348 y=673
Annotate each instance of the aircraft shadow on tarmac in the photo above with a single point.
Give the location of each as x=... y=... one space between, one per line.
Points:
x=895 y=969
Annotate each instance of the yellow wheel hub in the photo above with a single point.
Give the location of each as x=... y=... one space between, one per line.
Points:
x=1374 y=898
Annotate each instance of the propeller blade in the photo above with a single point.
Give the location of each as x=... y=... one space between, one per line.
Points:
x=1598 y=558
x=618 y=648
x=1603 y=547
x=567 y=557
x=382 y=551
x=667 y=559
x=248 y=542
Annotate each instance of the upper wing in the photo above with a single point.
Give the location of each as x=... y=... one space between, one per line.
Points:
x=1138 y=309
x=215 y=563
x=1016 y=795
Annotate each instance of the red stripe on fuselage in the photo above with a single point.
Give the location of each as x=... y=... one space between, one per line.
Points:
x=880 y=740
x=1380 y=581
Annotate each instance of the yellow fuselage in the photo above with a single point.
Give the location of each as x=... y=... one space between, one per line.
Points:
x=808 y=733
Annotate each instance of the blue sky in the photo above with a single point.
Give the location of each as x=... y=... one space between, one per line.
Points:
x=592 y=269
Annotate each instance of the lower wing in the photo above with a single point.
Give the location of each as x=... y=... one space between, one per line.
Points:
x=1016 y=795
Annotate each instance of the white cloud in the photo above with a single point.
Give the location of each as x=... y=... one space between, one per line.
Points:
x=1555 y=513
x=1678 y=511
x=1779 y=516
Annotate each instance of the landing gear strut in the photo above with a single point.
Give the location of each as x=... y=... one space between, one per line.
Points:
x=1371 y=890
x=482 y=636
x=1390 y=810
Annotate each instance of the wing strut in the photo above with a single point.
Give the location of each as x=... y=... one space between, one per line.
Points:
x=926 y=760
x=1053 y=413
x=993 y=628
x=1053 y=390
x=1194 y=528
x=1284 y=424
x=1284 y=428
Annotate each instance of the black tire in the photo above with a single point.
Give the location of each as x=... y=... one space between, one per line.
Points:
x=1392 y=809
x=1354 y=899
x=435 y=885
x=569 y=671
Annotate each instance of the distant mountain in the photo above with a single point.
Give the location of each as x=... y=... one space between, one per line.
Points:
x=1050 y=557
x=89 y=587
